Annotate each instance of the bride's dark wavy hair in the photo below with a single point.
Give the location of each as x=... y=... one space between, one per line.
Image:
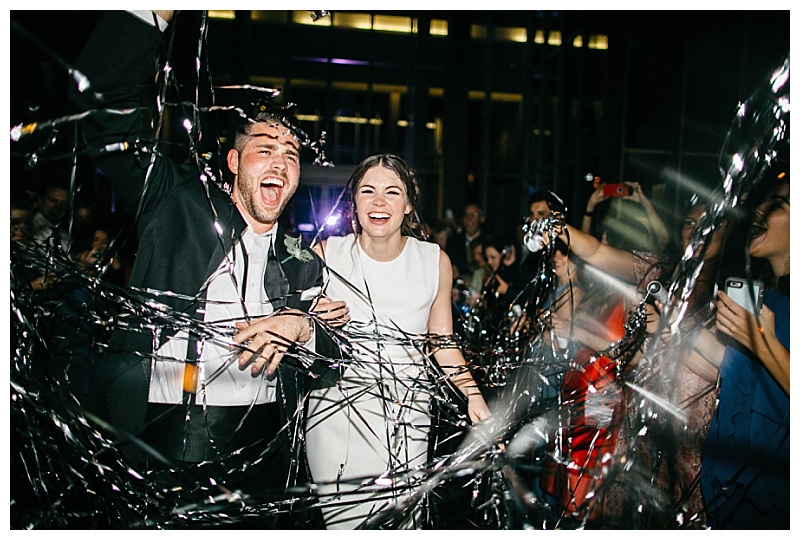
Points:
x=412 y=222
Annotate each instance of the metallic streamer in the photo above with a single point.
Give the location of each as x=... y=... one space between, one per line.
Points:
x=59 y=453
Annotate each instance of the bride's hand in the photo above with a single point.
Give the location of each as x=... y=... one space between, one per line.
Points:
x=477 y=408
x=336 y=313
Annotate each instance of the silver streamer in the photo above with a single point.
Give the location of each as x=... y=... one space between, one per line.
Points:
x=66 y=474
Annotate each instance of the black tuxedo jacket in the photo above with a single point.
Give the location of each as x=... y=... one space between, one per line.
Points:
x=185 y=226
x=460 y=252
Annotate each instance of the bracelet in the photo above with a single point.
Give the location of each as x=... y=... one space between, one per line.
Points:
x=588 y=213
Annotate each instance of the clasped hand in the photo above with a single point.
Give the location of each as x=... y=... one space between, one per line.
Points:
x=265 y=340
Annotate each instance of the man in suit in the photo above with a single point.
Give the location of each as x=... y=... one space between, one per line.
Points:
x=53 y=206
x=207 y=403
x=459 y=246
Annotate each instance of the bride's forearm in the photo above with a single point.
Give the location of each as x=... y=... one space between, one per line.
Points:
x=456 y=370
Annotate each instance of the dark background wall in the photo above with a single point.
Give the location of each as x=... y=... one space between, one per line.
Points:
x=482 y=118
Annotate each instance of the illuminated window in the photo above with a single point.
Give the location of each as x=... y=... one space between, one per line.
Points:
x=513 y=34
x=349 y=120
x=477 y=31
x=270 y=16
x=227 y=14
x=506 y=96
x=355 y=21
x=391 y=23
x=438 y=27
x=362 y=21
x=389 y=88
x=599 y=41
x=577 y=42
x=554 y=38
x=304 y=17
x=479 y=95
x=405 y=124
x=501 y=33
x=539 y=37
x=357 y=120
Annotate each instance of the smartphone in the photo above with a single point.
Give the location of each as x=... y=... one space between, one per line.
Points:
x=616 y=190
x=741 y=293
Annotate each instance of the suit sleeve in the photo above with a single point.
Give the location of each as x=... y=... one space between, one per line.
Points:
x=116 y=60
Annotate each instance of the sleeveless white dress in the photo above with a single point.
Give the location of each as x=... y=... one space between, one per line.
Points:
x=364 y=434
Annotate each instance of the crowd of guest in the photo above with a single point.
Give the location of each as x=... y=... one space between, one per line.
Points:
x=60 y=244
x=602 y=271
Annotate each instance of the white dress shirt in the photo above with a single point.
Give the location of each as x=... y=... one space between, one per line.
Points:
x=221 y=382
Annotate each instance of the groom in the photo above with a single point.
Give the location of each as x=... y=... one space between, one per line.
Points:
x=226 y=259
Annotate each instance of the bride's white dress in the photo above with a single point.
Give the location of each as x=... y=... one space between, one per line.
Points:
x=366 y=432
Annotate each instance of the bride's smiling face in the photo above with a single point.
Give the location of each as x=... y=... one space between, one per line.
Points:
x=381 y=202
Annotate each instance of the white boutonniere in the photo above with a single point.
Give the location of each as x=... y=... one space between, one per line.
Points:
x=294 y=246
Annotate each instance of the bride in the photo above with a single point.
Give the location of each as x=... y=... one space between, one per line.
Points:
x=366 y=434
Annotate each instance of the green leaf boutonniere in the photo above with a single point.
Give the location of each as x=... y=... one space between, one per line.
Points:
x=294 y=246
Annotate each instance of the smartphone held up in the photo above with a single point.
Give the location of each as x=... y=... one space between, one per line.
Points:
x=616 y=190
x=747 y=293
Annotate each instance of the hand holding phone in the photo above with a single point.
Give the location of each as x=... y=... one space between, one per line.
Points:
x=739 y=290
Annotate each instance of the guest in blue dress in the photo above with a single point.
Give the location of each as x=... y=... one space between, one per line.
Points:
x=745 y=457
